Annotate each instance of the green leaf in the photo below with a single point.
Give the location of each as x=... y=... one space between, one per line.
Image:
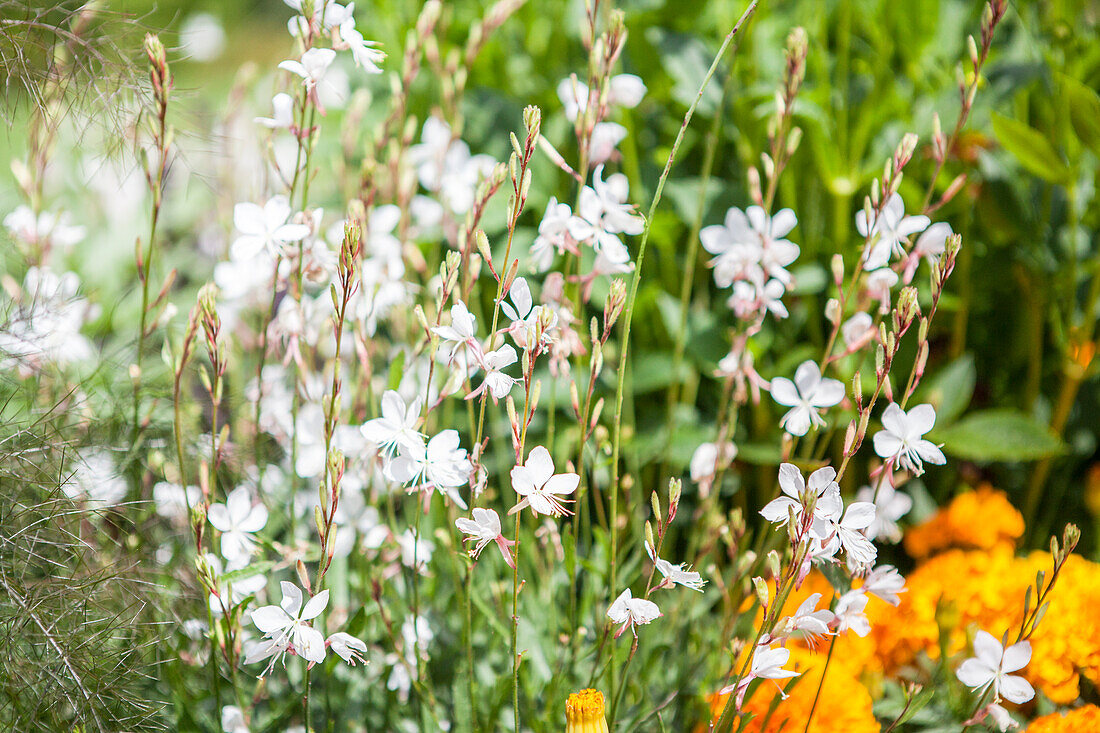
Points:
x=1084 y=112
x=397 y=370
x=1031 y=148
x=999 y=435
x=950 y=389
x=921 y=699
x=255 y=568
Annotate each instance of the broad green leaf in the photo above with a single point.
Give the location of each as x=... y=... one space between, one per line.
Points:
x=1084 y=112
x=999 y=435
x=1031 y=148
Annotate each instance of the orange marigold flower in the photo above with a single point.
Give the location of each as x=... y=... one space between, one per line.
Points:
x=844 y=704
x=980 y=519
x=1080 y=720
x=958 y=591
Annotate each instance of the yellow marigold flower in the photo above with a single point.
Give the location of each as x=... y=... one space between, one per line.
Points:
x=1080 y=720
x=844 y=704
x=584 y=712
x=980 y=519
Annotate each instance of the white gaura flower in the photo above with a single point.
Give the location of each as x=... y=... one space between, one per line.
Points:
x=364 y=53
x=282 y=116
x=705 y=460
x=44 y=227
x=810 y=621
x=287 y=626
x=889 y=231
x=347 y=647
x=1000 y=717
x=675 y=574
x=540 y=487
x=264 y=229
x=416 y=552
x=846 y=531
x=461 y=334
x=850 y=613
x=237 y=519
x=496 y=381
x=173 y=501
x=483 y=529
x=629 y=611
x=878 y=286
x=748 y=298
x=930 y=246
x=797 y=494
x=624 y=90
x=326 y=13
x=441 y=464
x=312 y=67
x=553 y=235
x=858 y=331
x=396 y=427
x=991 y=665
x=446 y=166
x=807 y=394
x=606 y=136
x=902 y=441
x=886 y=583
x=890 y=506
x=520 y=306
x=603 y=214
x=767 y=664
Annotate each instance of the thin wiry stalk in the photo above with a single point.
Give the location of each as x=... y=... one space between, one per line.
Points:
x=629 y=310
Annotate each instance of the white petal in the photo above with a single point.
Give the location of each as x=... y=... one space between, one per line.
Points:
x=784 y=392
x=1016 y=689
x=315 y=605
x=921 y=419
x=1016 y=657
x=562 y=484
x=790 y=480
x=270 y=619
x=540 y=465
x=988 y=649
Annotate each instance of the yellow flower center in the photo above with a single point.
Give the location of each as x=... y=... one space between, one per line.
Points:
x=584 y=712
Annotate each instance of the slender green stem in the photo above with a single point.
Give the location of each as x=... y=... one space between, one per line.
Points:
x=820 y=684
x=690 y=259
x=515 y=627
x=628 y=312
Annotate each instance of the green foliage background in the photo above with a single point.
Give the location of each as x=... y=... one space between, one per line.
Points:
x=1017 y=400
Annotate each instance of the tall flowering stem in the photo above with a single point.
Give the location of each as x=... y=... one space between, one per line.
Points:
x=993 y=13
x=160 y=77
x=329 y=491
x=628 y=311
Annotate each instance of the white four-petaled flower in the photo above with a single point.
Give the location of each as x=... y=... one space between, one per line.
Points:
x=237 y=519
x=901 y=438
x=991 y=665
x=676 y=574
x=540 y=487
x=287 y=626
x=629 y=611
x=807 y=394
